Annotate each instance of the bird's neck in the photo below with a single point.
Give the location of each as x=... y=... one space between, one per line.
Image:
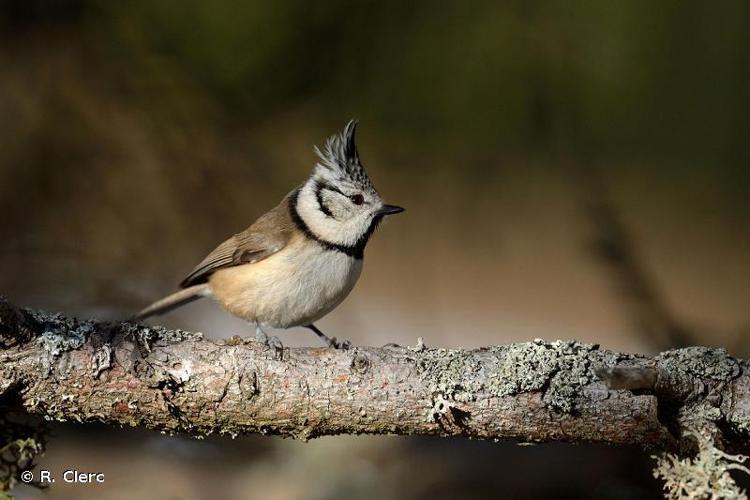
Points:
x=306 y=217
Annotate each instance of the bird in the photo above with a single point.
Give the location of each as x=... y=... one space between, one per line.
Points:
x=300 y=260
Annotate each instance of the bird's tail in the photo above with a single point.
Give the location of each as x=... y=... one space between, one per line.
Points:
x=173 y=301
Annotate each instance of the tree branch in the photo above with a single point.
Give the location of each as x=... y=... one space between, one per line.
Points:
x=175 y=381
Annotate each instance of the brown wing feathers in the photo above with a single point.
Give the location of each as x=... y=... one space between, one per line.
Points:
x=266 y=236
x=269 y=234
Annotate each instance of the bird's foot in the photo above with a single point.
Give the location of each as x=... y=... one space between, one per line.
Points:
x=273 y=342
x=331 y=341
x=344 y=345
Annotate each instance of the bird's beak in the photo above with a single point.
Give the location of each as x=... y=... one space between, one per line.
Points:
x=390 y=210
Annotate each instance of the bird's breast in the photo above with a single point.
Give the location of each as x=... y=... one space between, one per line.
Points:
x=296 y=286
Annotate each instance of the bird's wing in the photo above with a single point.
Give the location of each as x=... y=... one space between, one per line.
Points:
x=269 y=234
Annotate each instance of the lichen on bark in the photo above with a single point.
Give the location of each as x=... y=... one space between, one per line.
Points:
x=450 y=373
x=176 y=381
x=707 y=363
x=560 y=369
x=22 y=440
x=703 y=476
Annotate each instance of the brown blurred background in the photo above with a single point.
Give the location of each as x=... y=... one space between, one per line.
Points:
x=570 y=170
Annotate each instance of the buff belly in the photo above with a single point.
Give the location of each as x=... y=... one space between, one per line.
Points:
x=294 y=287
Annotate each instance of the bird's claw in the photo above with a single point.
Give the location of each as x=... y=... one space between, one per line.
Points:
x=273 y=342
x=343 y=345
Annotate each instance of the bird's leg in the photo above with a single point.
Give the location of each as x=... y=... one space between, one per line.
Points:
x=330 y=341
x=272 y=342
x=260 y=335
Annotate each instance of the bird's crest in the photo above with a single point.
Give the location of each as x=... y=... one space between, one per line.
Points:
x=340 y=158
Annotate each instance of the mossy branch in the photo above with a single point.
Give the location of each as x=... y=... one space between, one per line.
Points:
x=130 y=374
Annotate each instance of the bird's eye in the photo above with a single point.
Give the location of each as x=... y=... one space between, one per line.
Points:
x=357 y=199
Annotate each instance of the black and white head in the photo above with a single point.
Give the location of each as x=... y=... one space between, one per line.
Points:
x=338 y=204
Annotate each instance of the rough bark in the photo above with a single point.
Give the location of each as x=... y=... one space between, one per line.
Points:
x=176 y=381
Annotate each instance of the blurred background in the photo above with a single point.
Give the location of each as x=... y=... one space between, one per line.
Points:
x=570 y=169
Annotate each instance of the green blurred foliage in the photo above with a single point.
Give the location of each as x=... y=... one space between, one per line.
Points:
x=633 y=78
